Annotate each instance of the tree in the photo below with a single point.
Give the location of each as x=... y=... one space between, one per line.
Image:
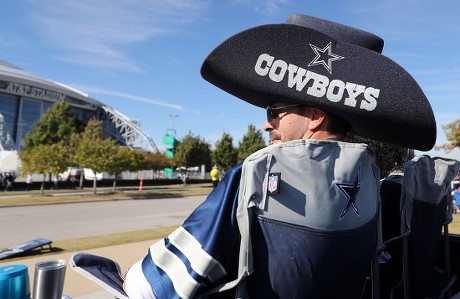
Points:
x=93 y=131
x=225 y=155
x=98 y=155
x=137 y=159
x=56 y=125
x=45 y=159
x=126 y=159
x=95 y=153
x=452 y=131
x=157 y=160
x=105 y=155
x=192 y=151
x=251 y=142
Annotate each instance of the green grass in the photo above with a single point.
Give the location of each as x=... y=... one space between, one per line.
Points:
x=41 y=199
x=66 y=195
x=114 y=239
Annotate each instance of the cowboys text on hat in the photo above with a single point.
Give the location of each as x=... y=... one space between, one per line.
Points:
x=356 y=95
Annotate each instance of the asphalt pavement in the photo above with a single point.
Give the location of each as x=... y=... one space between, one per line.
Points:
x=90 y=219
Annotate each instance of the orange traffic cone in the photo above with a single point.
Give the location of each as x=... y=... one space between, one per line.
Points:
x=140 y=186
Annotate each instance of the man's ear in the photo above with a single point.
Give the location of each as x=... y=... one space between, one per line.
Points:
x=318 y=119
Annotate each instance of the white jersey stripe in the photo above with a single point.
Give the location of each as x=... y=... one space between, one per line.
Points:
x=167 y=261
x=201 y=262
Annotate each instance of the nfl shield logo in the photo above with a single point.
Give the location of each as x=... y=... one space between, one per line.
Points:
x=273 y=183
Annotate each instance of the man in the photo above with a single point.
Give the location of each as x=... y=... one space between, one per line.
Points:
x=291 y=126
x=214 y=176
x=298 y=219
x=302 y=122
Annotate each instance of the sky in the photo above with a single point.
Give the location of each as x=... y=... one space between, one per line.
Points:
x=143 y=57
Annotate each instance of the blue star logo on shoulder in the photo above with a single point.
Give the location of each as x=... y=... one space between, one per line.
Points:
x=326 y=54
x=350 y=191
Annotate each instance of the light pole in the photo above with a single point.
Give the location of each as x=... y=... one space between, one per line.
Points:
x=173 y=116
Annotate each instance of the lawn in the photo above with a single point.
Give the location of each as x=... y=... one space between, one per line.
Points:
x=65 y=195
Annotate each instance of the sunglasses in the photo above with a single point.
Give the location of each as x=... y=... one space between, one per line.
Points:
x=273 y=112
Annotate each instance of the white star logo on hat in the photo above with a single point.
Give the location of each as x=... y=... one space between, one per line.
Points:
x=327 y=54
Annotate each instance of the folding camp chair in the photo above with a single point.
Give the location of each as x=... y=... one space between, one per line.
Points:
x=424 y=203
x=390 y=253
x=306 y=227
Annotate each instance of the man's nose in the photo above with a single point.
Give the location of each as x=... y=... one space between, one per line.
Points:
x=267 y=126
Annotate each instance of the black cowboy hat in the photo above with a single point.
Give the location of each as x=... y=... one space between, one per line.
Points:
x=330 y=66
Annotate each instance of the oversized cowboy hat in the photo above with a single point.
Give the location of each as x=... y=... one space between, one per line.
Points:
x=329 y=68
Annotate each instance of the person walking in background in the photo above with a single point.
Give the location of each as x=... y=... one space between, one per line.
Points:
x=56 y=180
x=185 y=178
x=73 y=181
x=8 y=181
x=214 y=176
x=29 y=181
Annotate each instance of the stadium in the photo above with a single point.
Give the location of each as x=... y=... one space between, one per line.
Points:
x=24 y=98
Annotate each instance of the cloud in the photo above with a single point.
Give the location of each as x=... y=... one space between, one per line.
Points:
x=452 y=71
x=265 y=8
x=131 y=97
x=11 y=41
x=270 y=7
x=98 y=33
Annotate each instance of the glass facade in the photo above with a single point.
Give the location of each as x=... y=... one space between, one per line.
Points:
x=22 y=104
x=29 y=112
x=18 y=116
x=8 y=120
x=25 y=98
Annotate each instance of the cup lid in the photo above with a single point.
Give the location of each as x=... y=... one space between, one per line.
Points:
x=10 y=271
x=50 y=265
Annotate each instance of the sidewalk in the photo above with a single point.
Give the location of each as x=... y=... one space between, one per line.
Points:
x=78 y=287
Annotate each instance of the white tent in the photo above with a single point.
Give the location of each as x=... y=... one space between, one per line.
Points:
x=9 y=161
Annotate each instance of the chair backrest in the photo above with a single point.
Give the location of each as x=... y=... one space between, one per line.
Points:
x=424 y=202
x=312 y=209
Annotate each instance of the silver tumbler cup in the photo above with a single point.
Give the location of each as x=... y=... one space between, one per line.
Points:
x=49 y=279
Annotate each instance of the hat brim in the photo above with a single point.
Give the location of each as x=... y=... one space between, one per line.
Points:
x=279 y=63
